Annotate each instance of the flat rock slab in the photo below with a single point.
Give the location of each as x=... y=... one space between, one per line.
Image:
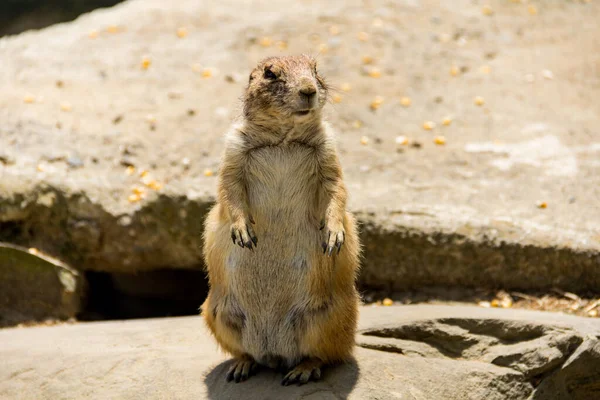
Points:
x=77 y=108
x=175 y=358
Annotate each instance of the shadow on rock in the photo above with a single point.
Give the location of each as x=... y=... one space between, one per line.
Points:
x=337 y=383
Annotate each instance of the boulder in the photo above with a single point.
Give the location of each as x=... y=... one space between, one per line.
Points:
x=35 y=286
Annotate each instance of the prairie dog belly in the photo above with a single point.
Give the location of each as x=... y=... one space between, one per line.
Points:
x=282 y=188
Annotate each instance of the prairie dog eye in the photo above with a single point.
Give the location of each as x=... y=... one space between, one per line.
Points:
x=270 y=74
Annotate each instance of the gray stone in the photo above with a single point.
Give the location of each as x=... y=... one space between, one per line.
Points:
x=176 y=358
x=578 y=378
x=34 y=286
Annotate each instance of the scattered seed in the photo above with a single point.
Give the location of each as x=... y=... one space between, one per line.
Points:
x=29 y=98
x=134 y=198
x=506 y=302
x=532 y=9
x=374 y=73
x=402 y=140
x=542 y=204
x=139 y=191
x=377 y=22
x=206 y=73
x=387 y=302
x=154 y=185
x=112 y=29
x=367 y=60
x=405 y=101
x=479 y=101
x=151 y=119
x=529 y=78
x=208 y=172
x=440 y=140
x=66 y=107
x=337 y=98
x=447 y=121
x=40 y=168
x=266 y=41
x=281 y=44
x=346 y=87
x=93 y=34
x=357 y=124
x=485 y=69
x=487 y=10
x=334 y=30
x=146 y=63
x=376 y=103
x=323 y=48
x=454 y=70
x=130 y=170
x=364 y=140
x=182 y=32
x=428 y=125
x=363 y=36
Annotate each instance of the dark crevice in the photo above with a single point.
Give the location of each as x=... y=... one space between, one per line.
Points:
x=161 y=293
x=17 y=16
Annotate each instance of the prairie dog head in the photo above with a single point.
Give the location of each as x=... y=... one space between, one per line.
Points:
x=283 y=89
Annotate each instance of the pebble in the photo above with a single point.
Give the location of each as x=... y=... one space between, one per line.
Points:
x=334 y=42
x=75 y=161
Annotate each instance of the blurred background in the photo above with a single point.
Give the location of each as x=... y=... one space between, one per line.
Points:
x=468 y=133
x=20 y=15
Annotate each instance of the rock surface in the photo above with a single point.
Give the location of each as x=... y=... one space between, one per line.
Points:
x=78 y=106
x=34 y=286
x=175 y=358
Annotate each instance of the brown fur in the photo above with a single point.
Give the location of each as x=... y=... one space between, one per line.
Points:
x=275 y=297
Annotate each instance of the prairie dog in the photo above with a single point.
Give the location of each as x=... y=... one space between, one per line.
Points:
x=281 y=251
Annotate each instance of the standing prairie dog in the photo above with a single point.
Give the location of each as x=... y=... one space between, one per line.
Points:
x=281 y=251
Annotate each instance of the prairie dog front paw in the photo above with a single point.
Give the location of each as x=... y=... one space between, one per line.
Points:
x=333 y=236
x=242 y=233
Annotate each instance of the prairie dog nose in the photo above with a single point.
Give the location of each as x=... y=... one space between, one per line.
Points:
x=307 y=88
x=308 y=91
